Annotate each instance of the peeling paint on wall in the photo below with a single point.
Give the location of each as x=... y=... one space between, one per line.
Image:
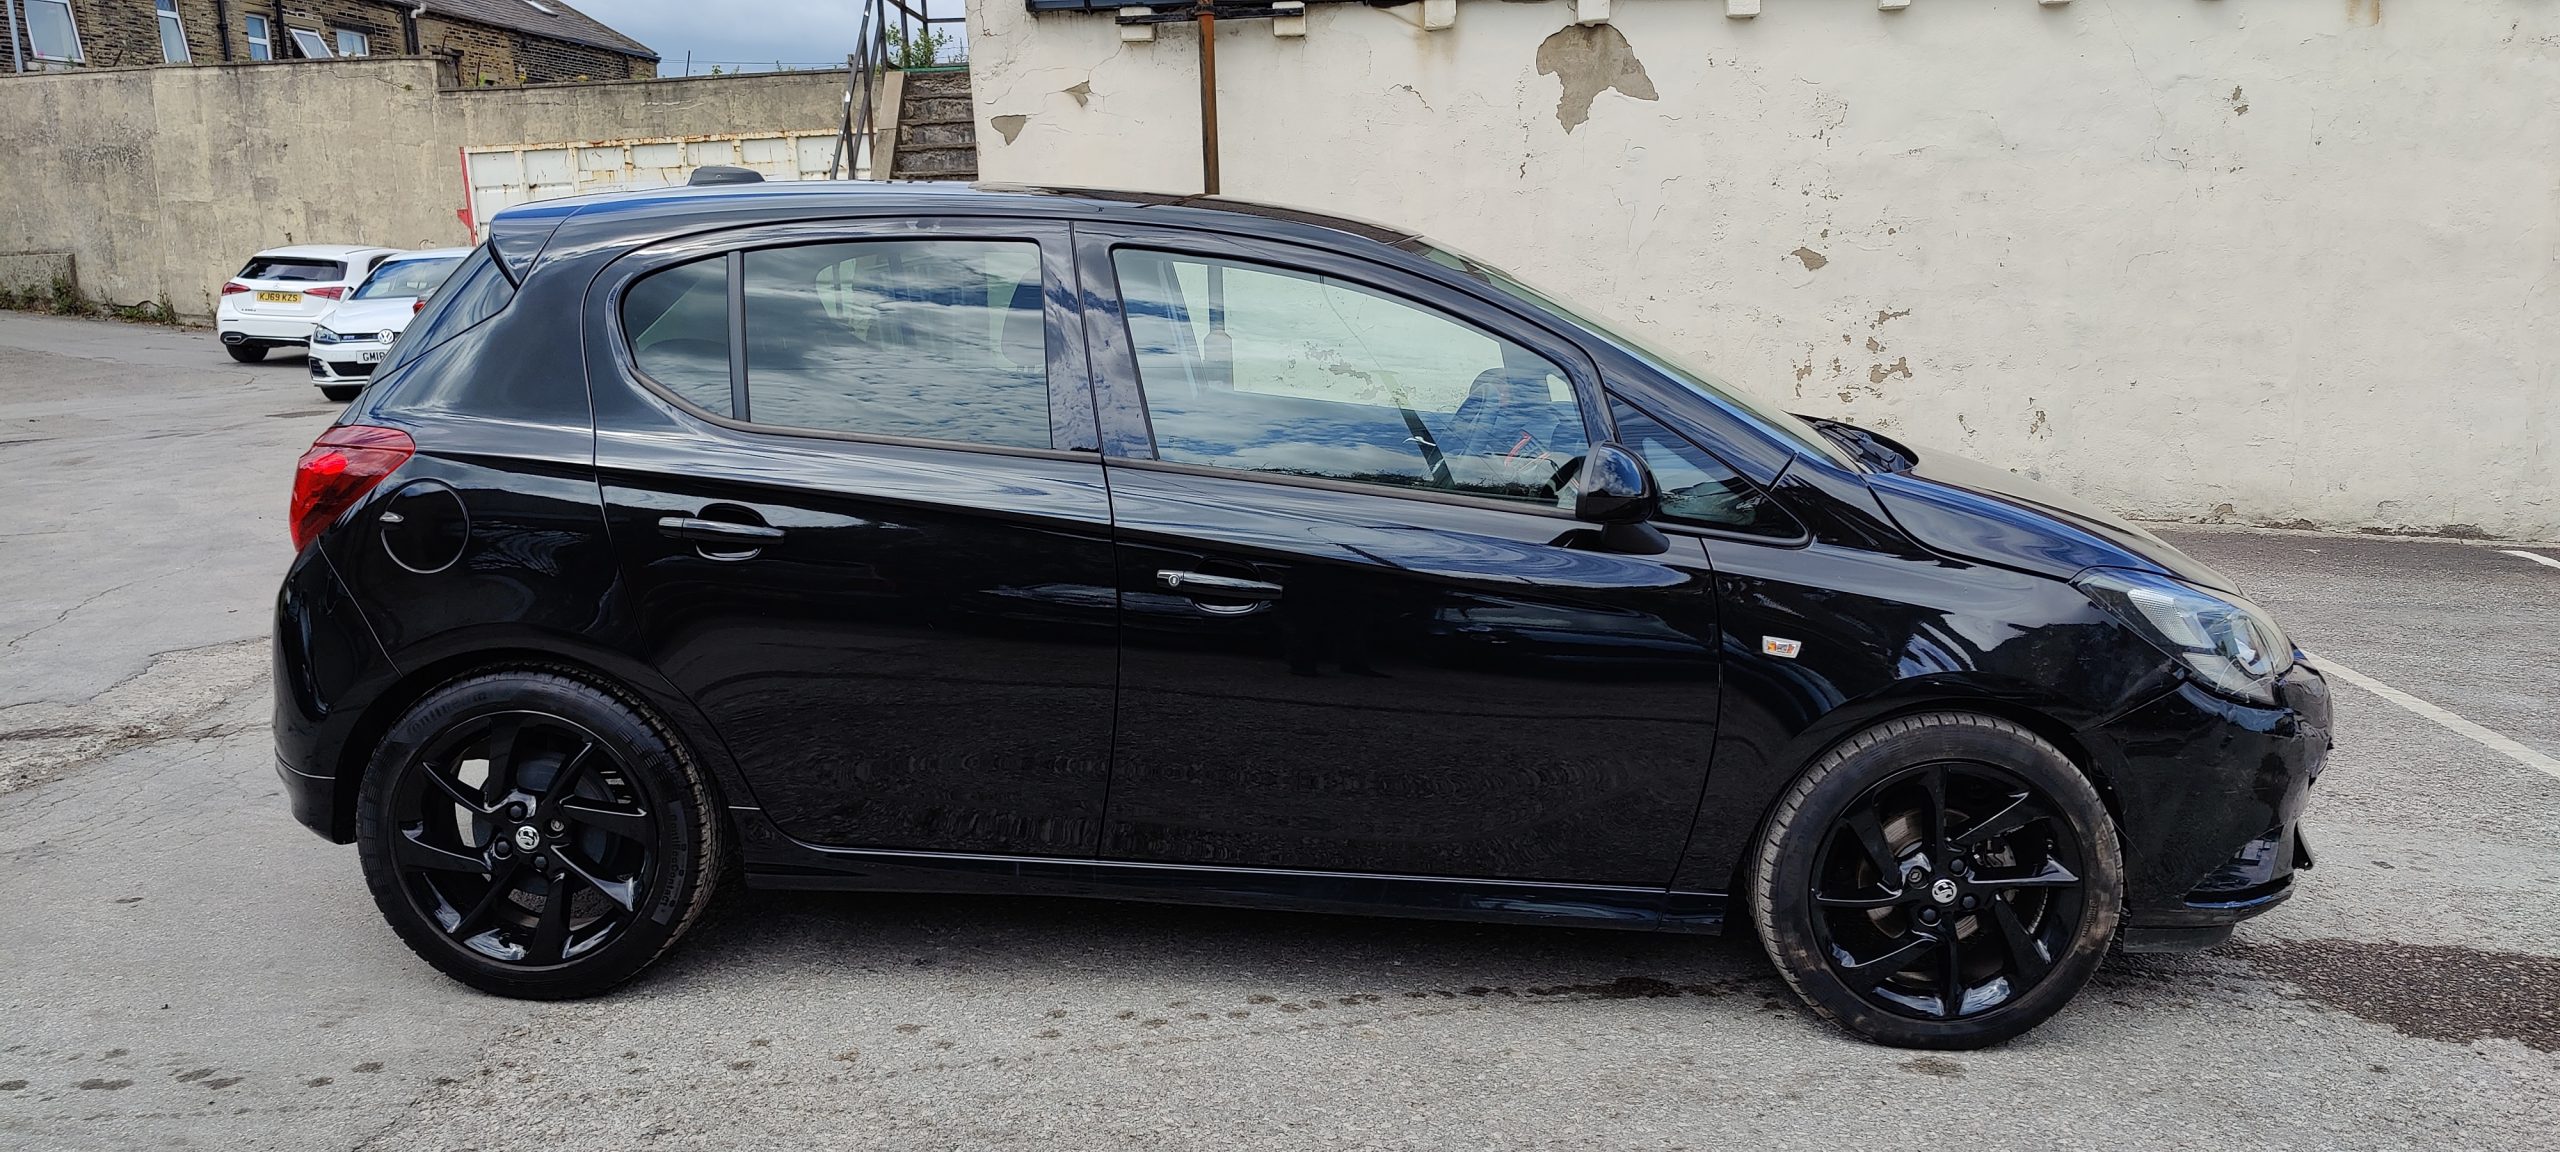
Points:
x=1009 y=126
x=1081 y=91
x=1590 y=59
x=1812 y=260
x=2053 y=241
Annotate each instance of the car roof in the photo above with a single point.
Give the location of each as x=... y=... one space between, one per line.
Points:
x=521 y=232
x=323 y=251
x=430 y=254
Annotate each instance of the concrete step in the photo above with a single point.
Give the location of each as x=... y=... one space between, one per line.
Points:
x=916 y=109
x=955 y=134
x=939 y=83
x=935 y=160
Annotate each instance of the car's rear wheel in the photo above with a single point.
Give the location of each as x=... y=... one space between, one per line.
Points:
x=1939 y=881
x=534 y=835
x=246 y=352
x=341 y=393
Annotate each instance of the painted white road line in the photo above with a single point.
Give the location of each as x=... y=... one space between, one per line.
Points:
x=2476 y=734
x=2536 y=557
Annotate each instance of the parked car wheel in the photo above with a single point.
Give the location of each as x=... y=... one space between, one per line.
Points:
x=1939 y=881
x=533 y=835
x=341 y=393
x=246 y=353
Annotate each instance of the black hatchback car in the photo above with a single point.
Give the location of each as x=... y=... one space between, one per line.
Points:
x=977 y=539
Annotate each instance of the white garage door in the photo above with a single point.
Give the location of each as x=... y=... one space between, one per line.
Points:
x=517 y=174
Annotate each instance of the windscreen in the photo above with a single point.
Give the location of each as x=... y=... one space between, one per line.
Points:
x=1775 y=419
x=407 y=278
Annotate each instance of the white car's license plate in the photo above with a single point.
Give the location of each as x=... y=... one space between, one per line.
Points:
x=279 y=297
x=374 y=357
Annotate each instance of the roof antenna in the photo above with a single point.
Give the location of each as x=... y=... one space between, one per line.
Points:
x=723 y=174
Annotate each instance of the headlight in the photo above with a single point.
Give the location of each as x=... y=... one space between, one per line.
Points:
x=322 y=335
x=2226 y=641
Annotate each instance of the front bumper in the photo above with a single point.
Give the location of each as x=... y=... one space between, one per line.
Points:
x=2210 y=794
x=337 y=363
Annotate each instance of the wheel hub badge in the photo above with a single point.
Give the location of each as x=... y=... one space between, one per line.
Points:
x=530 y=838
x=1944 y=891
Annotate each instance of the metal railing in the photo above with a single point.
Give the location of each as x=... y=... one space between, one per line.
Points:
x=892 y=34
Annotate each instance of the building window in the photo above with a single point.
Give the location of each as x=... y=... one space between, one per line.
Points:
x=173 y=35
x=262 y=44
x=50 y=31
x=352 y=43
x=311 y=44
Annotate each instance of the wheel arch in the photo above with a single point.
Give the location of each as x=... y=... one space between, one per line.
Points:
x=2025 y=709
x=633 y=682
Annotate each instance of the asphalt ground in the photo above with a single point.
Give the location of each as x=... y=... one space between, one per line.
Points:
x=182 y=966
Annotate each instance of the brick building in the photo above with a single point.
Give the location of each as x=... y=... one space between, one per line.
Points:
x=476 y=42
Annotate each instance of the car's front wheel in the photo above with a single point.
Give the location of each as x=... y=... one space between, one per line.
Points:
x=534 y=835
x=1939 y=881
x=246 y=353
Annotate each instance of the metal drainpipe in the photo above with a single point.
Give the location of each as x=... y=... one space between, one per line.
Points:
x=1208 y=98
x=416 y=38
x=222 y=28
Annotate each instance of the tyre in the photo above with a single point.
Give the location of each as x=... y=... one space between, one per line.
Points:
x=246 y=353
x=533 y=835
x=1940 y=881
x=341 y=393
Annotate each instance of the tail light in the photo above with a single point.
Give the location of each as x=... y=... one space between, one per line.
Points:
x=231 y=286
x=342 y=465
x=326 y=291
x=417 y=306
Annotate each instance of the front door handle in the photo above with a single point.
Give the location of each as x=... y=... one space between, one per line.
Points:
x=1220 y=587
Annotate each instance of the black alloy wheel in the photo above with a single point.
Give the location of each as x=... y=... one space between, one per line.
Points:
x=533 y=835
x=246 y=353
x=1940 y=881
x=1947 y=890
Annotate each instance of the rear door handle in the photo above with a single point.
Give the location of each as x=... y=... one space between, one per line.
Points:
x=1223 y=587
x=703 y=531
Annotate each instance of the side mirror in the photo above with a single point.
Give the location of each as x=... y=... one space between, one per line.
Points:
x=1614 y=488
x=1616 y=491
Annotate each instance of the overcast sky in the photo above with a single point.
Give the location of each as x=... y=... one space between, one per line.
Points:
x=743 y=36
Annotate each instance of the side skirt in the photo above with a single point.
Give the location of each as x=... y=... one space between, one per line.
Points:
x=774 y=861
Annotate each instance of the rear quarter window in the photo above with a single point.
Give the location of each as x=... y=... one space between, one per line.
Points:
x=678 y=323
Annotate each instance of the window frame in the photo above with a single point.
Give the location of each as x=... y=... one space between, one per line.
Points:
x=79 y=52
x=338 y=42
x=304 y=48
x=260 y=32
x=165 y=13
x=1071 y=420
x=1121 y=399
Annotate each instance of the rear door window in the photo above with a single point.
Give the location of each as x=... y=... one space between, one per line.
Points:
x=926 y=339
x=293 y=269
x=1268 y=369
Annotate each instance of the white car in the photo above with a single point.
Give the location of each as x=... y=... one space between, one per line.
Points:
x=351 y=340
x=280 y=292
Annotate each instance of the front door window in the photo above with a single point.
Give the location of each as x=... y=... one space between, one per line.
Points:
x=1265 y=369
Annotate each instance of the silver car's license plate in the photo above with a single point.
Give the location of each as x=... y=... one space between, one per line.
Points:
x=369 y=357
